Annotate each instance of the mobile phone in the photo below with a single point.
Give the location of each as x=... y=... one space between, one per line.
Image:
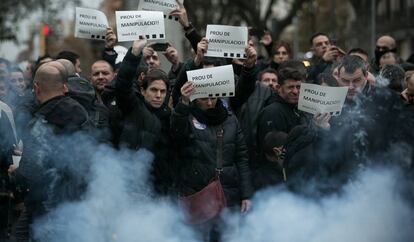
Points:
x=334 y=41
x=160 y=47
x=256 y=32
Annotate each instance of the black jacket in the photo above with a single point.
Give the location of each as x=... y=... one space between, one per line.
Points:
x=47 y=160
x=368 y=128
x=278 y=116
x=299 y=161
x=250 y=99
x=144 y=126
x=197 y=155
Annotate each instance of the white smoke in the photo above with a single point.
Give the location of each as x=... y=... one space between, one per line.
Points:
x=118 y=206
x=369 y=209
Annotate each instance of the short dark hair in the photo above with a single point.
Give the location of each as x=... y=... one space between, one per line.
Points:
x=358 y=50
x=273 y=139
x=327 y=78
x=351 y=63
x=295 y=64
x=68 y=55
x=289 y=73
x=268 y=70
x=317 y=35
x=153 y=75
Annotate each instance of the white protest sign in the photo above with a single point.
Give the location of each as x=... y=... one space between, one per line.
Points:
x=226 y=41
x=212 y=82
x=321 y=99
x=90 y=24
x=121 y=51
x=133 y=25
x=165 y=6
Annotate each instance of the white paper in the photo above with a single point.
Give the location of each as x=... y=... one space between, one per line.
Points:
x=133 y=25
x=212 y=82
x=226 y=41
x=121 y=51
x=16 y=160
x=165 y=6
x=90 y=24
x=321 y=99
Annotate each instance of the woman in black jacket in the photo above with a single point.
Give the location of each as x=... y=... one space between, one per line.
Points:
x=194 y=128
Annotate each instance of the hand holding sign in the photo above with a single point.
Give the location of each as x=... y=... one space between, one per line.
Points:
x=110 y=38
x=181 y=13
x=138 y=46
x=202 y=47
x=251 y=59
x=322 y=120
x=186 y=90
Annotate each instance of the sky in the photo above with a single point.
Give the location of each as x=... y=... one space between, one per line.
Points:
x=10 y=49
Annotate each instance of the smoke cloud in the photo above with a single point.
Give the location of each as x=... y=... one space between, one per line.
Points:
x=369 y=209
x=118 y=206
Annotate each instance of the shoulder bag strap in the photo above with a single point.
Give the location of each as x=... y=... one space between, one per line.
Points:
x=219 y=166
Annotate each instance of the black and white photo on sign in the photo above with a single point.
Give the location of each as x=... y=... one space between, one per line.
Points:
x=90 y=24
x=212 y=82
x=133 y=25
x=321 y=99
x=226 y=41
x=165 y=6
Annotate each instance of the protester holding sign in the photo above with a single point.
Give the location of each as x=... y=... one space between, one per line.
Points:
x=283 y=115
x=146 y=116
x=369 y=124
x=194 y=126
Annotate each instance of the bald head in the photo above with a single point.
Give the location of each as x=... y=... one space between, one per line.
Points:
x=386 y=41
x=70 y=68
x=51 y=76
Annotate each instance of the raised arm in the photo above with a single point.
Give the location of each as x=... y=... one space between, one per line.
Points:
x=125 y=95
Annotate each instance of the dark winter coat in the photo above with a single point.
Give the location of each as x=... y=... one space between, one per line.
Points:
x=299 y=161
x=251 y=97
x=46 y=160
x=197 y=155
x=144 y=126
x=278 y=116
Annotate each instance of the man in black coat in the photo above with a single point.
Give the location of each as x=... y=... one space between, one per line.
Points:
x=282 y=115
x=46 y=166
x=146 y=116
x=372 y=123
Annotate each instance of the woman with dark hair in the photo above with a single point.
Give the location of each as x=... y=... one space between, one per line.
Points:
x=281 y=52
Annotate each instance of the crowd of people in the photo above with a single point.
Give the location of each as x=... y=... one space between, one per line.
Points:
x=135 y=105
